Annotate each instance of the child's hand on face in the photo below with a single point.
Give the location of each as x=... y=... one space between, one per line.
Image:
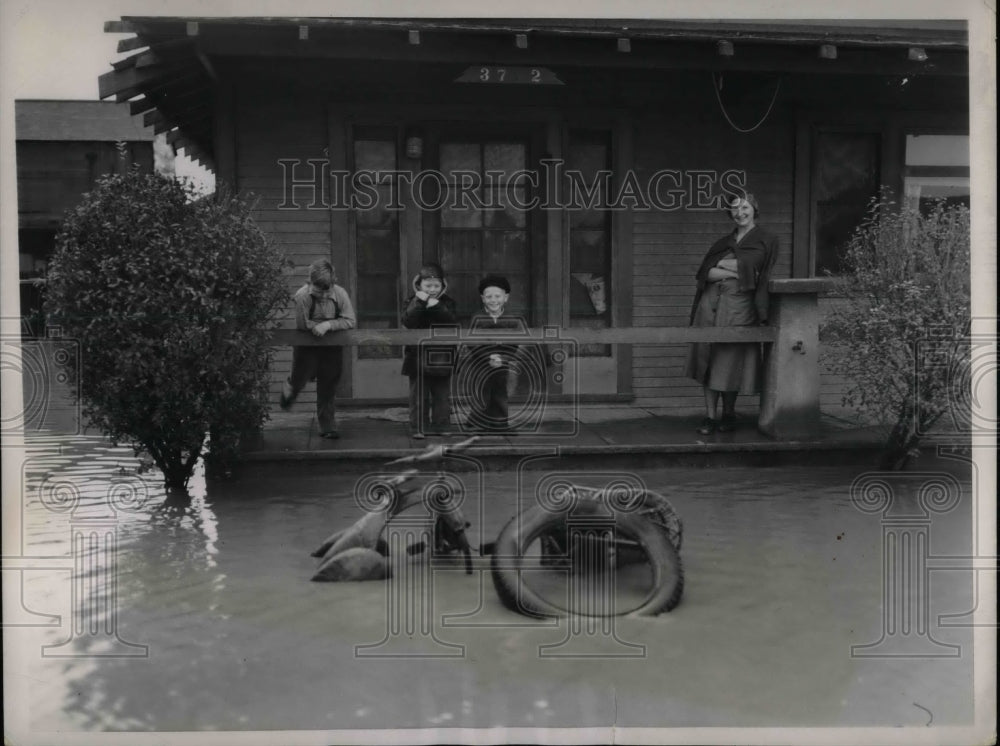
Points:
x=430 y=287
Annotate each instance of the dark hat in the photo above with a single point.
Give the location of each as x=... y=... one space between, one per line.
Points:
x=494 y=281
x=430 y=270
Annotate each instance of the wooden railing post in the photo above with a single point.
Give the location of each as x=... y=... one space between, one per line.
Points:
x=789 y=403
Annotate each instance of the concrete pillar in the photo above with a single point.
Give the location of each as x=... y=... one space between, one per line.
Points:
x=789 y=403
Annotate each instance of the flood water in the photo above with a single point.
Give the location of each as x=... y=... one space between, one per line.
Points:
x=153 y=614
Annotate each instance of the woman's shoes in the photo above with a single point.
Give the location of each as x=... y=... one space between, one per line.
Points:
x=726 y=425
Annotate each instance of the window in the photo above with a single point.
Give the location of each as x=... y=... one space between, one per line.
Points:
x=936 y=168
x=846 y=177
x=377 y=243
x=589 y=154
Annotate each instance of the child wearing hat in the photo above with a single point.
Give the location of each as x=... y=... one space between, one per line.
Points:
x=429 y=368
x=488 y=365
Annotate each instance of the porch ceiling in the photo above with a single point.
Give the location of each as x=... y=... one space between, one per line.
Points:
x=172 y=79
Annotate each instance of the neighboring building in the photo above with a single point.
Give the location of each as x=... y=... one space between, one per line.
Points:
x=813 y=118
x=62 y=148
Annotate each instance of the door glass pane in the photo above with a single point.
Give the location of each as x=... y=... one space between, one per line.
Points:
x=505 y=157
x=476 y=240
x=460 y=157
x=589 y=153
x=376 y=240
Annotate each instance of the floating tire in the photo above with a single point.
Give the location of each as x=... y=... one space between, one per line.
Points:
x=636 y=540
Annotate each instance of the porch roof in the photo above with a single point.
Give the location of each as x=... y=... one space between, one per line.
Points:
x=171 y=78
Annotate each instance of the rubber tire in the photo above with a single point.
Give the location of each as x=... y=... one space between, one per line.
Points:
x=521 y=531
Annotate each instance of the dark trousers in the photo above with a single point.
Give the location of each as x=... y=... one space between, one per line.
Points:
x=488 y=405
x=324 y=364
x=430 y=403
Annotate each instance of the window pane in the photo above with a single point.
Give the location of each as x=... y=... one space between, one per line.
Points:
x=506 y=157
x=847 y=166
x=505 y=251
x=937 y=150
x=378 y=215
x=846 y=180
x=378 y=251
x=588 y=153
x=459 y=251
x=460 y=157
x=374 y=155
x=377 y=308
x=460 y=212
x=589 y=251
x=508 y=213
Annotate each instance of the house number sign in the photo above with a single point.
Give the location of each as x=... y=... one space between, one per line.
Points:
x=507 y=75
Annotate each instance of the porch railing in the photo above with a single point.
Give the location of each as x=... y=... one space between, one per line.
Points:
x=789 y=406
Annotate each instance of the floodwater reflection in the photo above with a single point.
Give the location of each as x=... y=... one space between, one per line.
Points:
x=783 y=575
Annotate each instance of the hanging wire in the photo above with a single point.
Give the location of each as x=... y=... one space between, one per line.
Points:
x=717 y=86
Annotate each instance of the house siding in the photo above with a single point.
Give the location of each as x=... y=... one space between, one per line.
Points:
x=668 y=245
x=273 y=124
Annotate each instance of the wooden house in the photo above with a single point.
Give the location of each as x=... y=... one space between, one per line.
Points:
x=62 y=148
x=663 y=116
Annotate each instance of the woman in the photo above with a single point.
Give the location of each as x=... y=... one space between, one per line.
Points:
x=732 y=291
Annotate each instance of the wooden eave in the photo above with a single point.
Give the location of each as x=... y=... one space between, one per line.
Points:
x=172 y=75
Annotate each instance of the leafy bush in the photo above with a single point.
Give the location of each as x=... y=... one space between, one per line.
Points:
x=899 y=332
x=171 y=300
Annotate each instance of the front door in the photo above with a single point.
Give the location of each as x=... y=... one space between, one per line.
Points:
x=481 y=223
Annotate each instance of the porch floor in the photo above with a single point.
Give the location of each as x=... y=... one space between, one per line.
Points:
x=591 y=434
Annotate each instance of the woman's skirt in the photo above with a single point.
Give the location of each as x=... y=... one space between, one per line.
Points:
x=728 y=366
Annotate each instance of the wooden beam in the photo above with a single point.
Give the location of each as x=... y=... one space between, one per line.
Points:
x=131 y=81
x=140 y=105
x=655 y=335
x=119 y=27
x=158 y=83
x=152 y=117
x=127 y=45
x=141 y=60
x=572 y=53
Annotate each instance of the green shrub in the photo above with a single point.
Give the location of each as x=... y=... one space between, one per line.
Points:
x=899 y=332
x=171 y=300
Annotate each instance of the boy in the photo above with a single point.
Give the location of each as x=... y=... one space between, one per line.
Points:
x=429 y=368
x=488 y=365
x=321 y=306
